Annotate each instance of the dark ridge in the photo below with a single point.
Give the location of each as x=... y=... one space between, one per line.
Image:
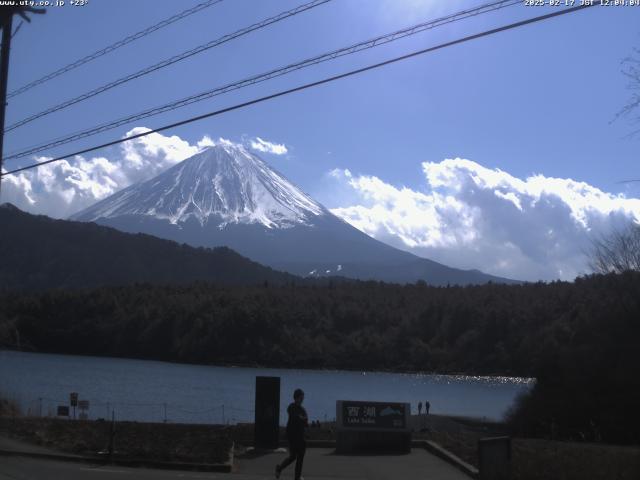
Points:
x=39 y=252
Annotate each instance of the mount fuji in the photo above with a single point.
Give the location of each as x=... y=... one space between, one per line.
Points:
x=227 y=196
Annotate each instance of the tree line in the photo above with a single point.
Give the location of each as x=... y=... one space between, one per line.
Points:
x=578 y=339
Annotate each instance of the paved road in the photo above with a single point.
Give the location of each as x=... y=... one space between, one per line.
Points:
x=22 y=468
x=320 y=464
x=19 y=446
x=324 y=464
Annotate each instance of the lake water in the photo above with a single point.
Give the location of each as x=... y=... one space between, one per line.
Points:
x=154 y=391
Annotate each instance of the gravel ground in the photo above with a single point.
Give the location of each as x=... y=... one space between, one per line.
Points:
x=154 y=441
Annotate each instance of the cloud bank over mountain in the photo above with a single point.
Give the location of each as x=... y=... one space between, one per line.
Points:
x=62 y=188
x=464 y=215
x=470 y=216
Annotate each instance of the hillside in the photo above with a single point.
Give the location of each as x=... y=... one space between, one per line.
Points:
x=39 y=252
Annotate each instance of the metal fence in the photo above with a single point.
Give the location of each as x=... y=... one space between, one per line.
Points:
x=141 y=412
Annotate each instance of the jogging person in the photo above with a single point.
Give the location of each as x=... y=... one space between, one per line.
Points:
x=298 y=421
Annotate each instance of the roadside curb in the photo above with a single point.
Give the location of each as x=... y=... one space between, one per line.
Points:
x=428 y=445
x=126 y=462
x=447 y=456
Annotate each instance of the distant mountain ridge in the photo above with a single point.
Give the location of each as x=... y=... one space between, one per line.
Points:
x=228 y=196
x=41 y=253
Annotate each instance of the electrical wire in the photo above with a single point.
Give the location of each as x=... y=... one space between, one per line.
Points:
x=113 y=46
x=169 y=61
x=352 y=49
x=313 y=84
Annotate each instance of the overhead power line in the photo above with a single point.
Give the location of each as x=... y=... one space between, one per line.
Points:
x=355 y=48
x=299 y=88
x=6 y=24
x=170 y=61
x=114 y=46
x=15 y=32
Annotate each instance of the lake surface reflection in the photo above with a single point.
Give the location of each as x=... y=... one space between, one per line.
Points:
x=154 y=391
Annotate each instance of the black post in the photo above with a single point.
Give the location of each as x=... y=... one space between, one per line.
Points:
x=112 y=432
x=4 y=75
x=267 y=413
x=494 y=458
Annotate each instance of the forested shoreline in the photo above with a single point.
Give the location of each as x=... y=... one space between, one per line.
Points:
x=579 y=339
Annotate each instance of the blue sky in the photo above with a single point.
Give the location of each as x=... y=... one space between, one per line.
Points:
x=536 y=100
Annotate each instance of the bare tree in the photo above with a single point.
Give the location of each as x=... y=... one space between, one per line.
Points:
x=620 y=251
x=617 y=252
x=631 y=70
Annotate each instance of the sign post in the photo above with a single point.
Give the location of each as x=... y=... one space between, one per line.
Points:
x=73 y=401
x=83 y=405
x=63 y=411
x=372 y=426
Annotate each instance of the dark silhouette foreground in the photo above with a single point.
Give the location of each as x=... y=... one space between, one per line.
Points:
x=298 y=421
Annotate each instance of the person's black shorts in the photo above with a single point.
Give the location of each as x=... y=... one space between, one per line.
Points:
x=296 y=443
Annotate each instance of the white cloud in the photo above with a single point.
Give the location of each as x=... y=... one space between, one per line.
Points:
x=470 y=216
x=205 y=142
x=465 y=215
x=268 y=147
x=62 y=188
x=339 y=173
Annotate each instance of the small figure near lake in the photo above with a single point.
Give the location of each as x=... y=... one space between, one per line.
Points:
x=419 y=408
x=427 y=406
x=296 y=425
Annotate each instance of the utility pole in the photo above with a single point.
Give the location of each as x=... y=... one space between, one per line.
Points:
x=4 y=74
x=6 y=23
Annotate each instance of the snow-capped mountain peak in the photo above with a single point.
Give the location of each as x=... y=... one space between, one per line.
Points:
x=225 y=184
x=227 y=196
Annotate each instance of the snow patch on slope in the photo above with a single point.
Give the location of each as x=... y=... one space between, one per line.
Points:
x=224 y=183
